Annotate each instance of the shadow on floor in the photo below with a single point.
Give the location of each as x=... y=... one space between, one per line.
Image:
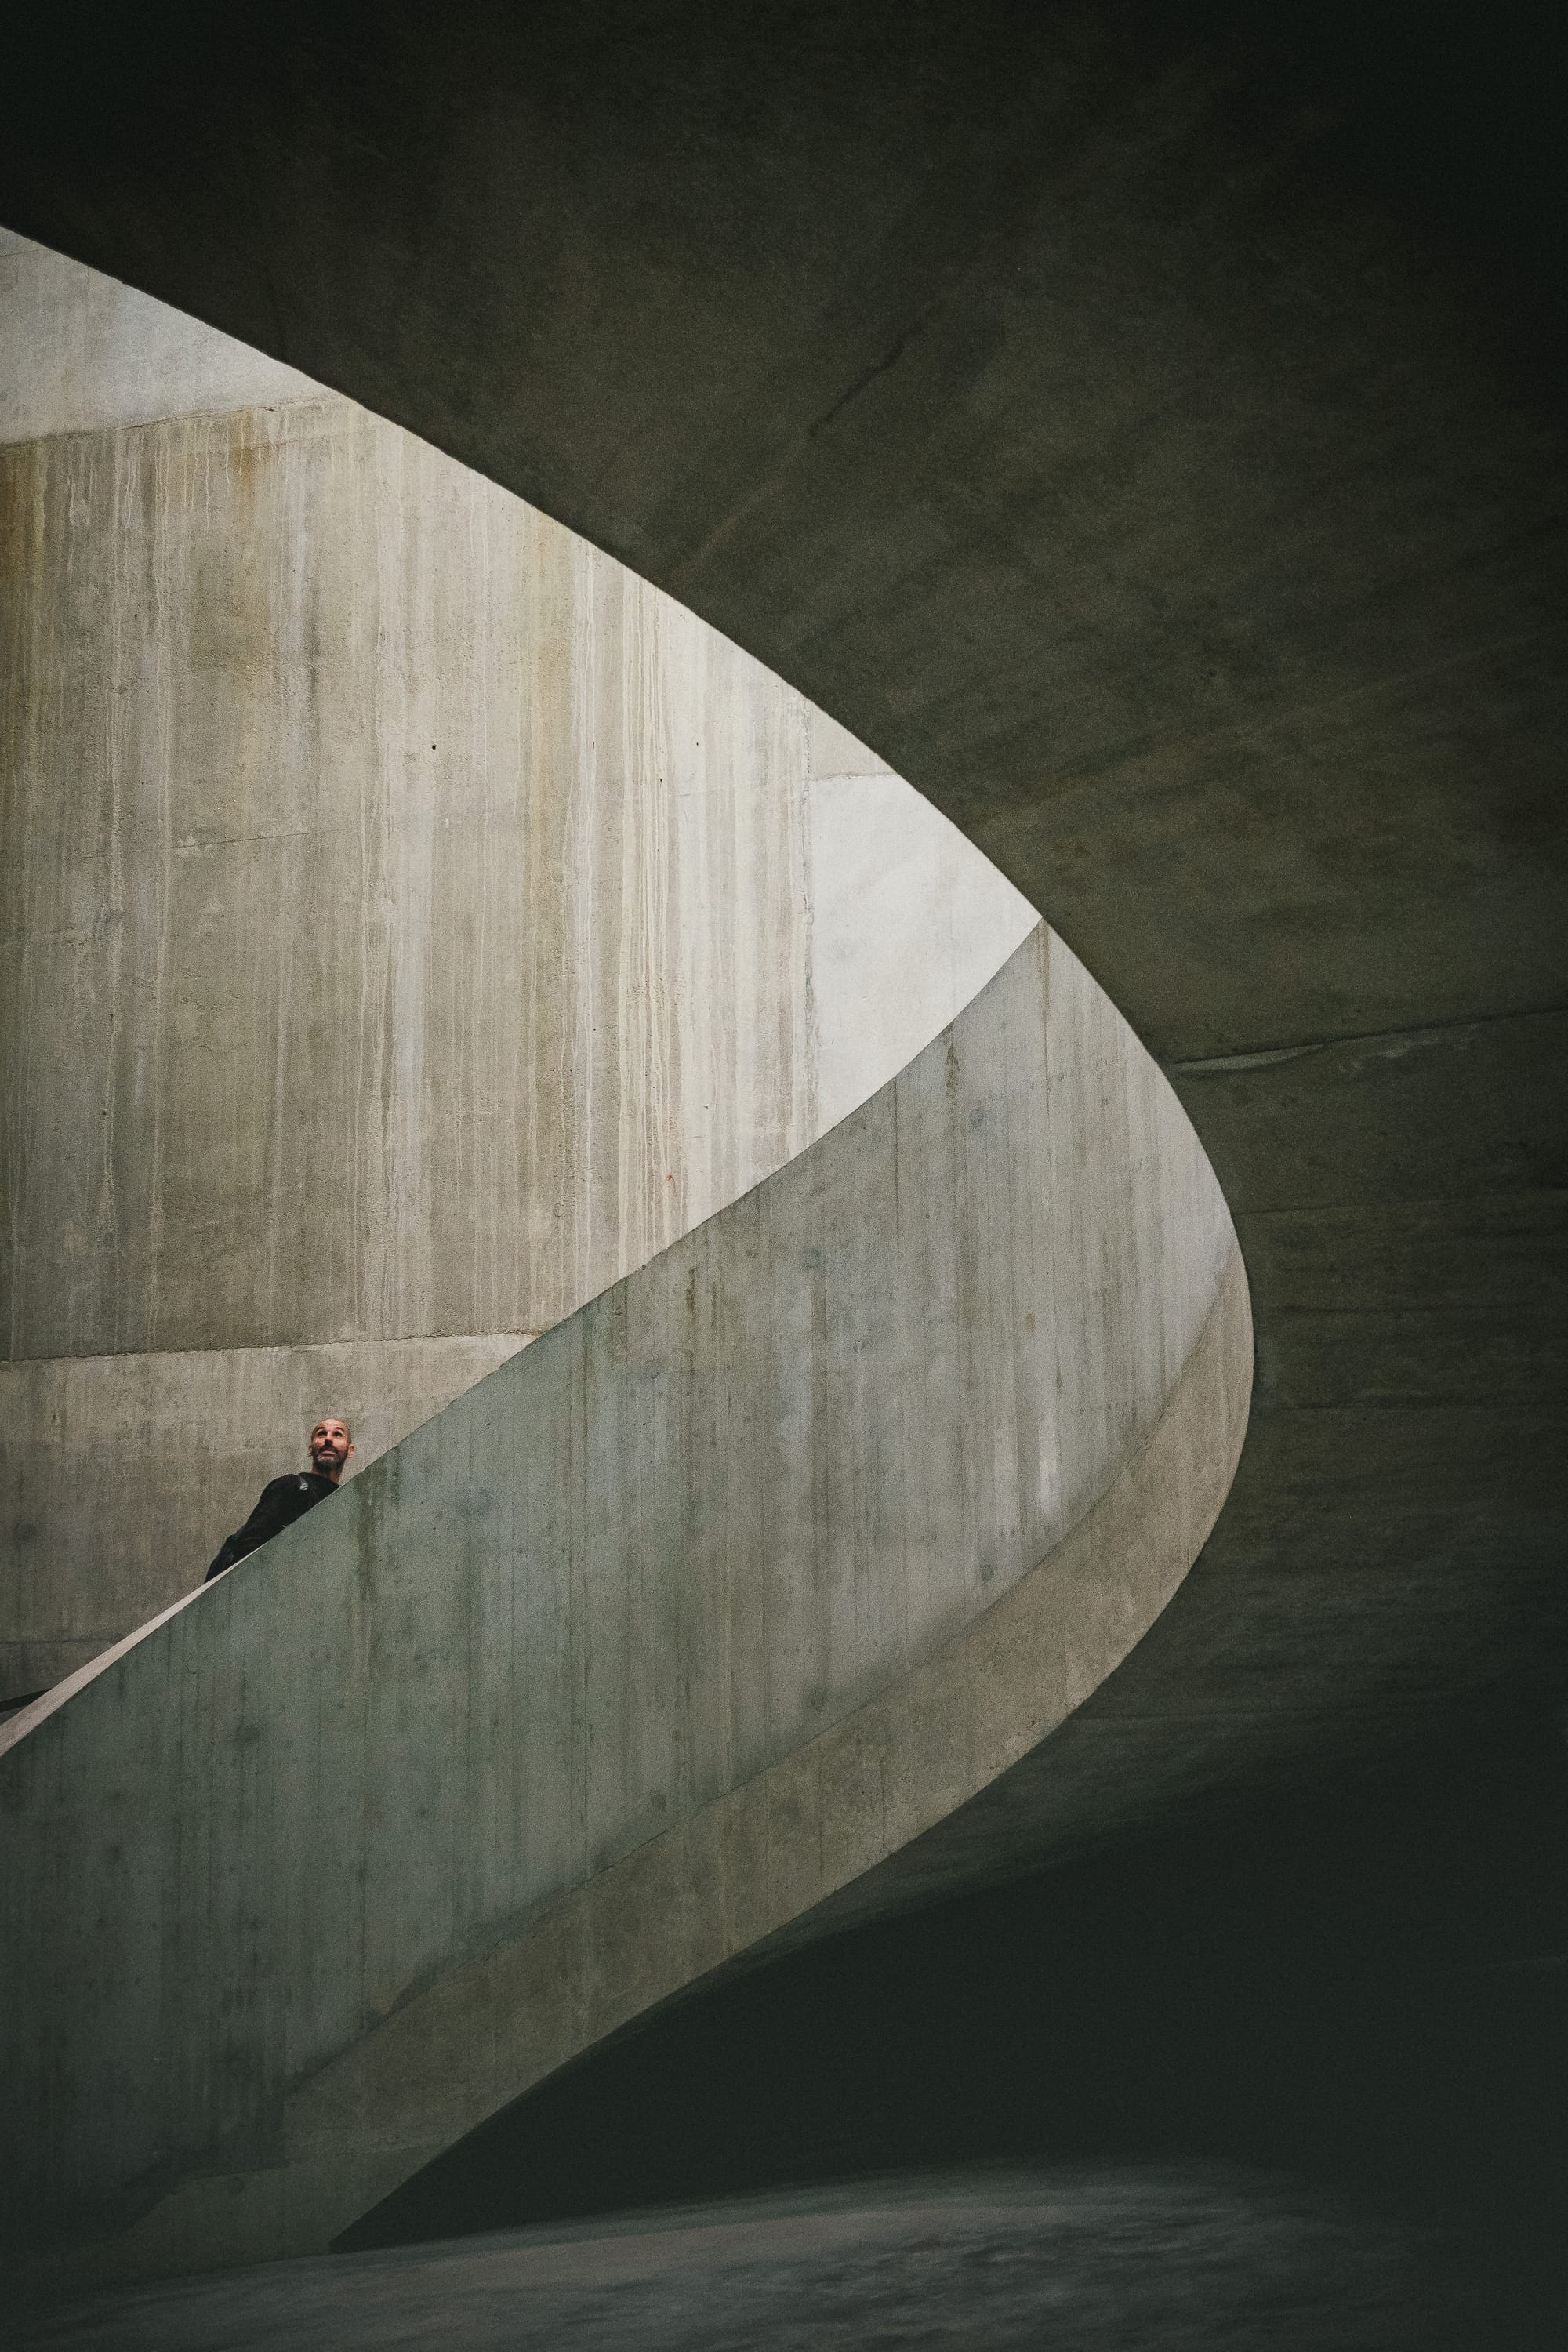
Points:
x=1367 y=1992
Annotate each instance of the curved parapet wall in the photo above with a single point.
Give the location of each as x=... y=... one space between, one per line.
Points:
x=682 y=1620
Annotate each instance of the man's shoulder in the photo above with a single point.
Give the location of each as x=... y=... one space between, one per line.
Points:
x=290 y=1487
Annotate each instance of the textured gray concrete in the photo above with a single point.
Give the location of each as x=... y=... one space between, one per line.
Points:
x=411 y=922
x=1142 y=428
x=695 y=1611
x=1134 y=424
x=80 y=354
x=1172 y=2261
x=123 y=1473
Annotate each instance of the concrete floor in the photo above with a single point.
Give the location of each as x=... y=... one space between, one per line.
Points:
x=1133 y=2260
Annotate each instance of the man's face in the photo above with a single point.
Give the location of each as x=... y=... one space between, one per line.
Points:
x=331 y=1446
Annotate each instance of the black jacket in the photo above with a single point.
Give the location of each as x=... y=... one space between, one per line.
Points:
x=283 y=1500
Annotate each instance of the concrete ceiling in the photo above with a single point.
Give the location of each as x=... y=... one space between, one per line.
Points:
x=1137 y=425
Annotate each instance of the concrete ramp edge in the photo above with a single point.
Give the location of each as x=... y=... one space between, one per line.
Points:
x=679 y=1623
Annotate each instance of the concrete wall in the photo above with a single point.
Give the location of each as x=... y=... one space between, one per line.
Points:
x=688 y=1616
x=411 y=922
x=83 y=353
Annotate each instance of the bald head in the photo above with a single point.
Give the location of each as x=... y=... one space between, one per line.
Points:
x=332 y=1442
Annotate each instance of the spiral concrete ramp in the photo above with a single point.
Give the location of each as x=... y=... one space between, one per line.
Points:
x=679 y=1624
x=1140 y=427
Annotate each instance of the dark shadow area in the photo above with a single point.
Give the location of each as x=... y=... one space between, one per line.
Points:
x=1369 y=1992
x=1450 y=115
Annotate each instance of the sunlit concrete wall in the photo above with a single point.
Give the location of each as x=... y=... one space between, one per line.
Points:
x=412 y=923
x=690 y=1619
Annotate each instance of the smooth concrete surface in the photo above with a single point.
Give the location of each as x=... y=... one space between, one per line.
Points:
x=412 y=923
x=695 y=1611
x=82 y=353
x=1101 y=2259
x=1142 y=427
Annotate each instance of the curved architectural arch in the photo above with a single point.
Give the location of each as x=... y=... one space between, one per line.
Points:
x=704 y=1606
x=1105 y=420
x=1129 y=423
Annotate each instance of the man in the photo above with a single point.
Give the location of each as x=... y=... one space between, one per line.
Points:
x=284 y=1500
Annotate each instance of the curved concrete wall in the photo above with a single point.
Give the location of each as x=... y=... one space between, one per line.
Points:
x=741 y=1576
x=411 y=922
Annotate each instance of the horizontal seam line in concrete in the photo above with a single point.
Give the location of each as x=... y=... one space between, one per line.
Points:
x=320 y=399
x=1263 y=1057
x=195 y=844
x=1232 y=1715
x=1047 y=792
x=279 y=1347
x=1275 y=1407
x=1552 y=1193
x=1285 y=1308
